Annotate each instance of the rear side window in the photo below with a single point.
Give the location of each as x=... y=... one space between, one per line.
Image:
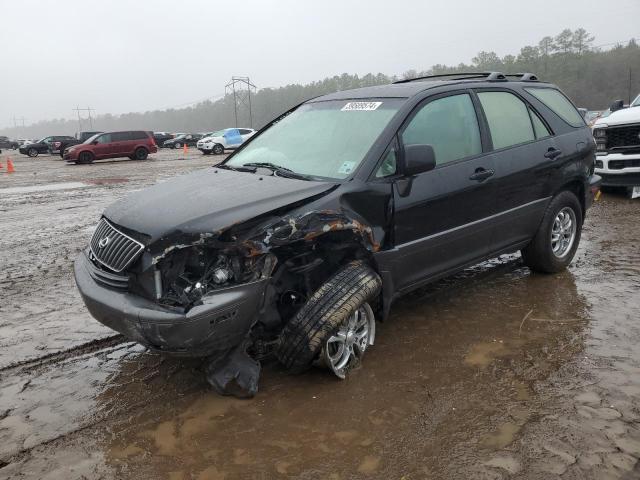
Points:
x=508 y=119
x=560 y=104
x=449 y=125
x=539 y=127
x=138 y=135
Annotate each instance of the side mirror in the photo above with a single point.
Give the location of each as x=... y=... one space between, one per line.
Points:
x=419 y=159
x=616 y=105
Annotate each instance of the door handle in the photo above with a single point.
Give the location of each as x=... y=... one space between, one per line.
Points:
x=481 y=174
x=552 y=153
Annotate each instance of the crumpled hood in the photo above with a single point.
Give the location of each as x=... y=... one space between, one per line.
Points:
x=626 y=115
x=207 y=200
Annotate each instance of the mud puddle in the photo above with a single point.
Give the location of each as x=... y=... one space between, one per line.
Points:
x=496 y=373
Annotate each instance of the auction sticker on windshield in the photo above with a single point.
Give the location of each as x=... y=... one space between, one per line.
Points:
x=360 y=106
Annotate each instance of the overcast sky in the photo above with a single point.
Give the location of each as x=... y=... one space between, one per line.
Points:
x=120 y=56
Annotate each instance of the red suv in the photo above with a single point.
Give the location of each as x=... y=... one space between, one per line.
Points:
x=136 y=145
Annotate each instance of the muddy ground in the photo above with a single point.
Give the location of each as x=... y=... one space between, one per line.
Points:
x=494 y=373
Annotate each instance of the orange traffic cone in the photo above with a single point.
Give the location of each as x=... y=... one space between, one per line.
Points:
x=10 y=168
x=185 y=148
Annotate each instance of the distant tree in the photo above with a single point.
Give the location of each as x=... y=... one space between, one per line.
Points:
x=487 y=61
x=581 y=40
x=563 y=43
x=528 y=55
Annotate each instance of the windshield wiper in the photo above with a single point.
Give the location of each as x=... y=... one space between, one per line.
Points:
x=281 y=171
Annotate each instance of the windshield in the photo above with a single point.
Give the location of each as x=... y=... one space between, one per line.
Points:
x=91 y=138
x=324 y=139
x=636 y=102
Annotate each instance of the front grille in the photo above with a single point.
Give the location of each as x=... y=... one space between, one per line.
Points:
x=112 y=248
x=620 y=164
x=620 y=137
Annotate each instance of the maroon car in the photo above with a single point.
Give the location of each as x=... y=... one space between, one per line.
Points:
x=135 y=144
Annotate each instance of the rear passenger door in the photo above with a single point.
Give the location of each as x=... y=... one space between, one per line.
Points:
x=441 y=215
x=121 y=145
x=523 y=152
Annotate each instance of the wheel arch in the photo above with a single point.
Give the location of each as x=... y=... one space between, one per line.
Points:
x=577 y=187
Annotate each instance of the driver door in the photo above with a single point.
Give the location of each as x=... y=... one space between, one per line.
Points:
x=441 y=216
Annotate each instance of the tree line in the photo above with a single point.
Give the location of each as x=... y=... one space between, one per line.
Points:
x=591 y=76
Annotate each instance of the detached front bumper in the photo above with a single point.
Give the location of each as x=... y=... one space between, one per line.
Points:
x=220 y=323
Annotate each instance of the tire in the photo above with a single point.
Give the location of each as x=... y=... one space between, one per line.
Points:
x=32 y=152
x=141 y=153
x=85 y=157
x=539 y=255
x=300 y=342
x=218 y=149
x=176 y=145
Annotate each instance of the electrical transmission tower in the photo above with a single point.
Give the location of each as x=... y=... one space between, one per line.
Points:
x=88 y=110
x=240 y=88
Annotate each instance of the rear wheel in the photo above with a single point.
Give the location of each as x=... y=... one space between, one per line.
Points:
x=141 y=153
x=558 y=236
x=85 y=157
x=177 y=145
x=336 y=324
x=32 y=152
x=218 y=149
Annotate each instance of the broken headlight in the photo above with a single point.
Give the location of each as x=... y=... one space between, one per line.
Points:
x=189 y=274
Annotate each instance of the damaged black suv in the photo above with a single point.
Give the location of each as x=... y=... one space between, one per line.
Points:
x=304 y=236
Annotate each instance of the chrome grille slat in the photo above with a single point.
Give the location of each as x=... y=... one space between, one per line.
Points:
x=119 y=252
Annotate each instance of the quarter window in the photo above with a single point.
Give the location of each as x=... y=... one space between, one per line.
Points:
x=449 y=125
x=389 y=163
x=539 y=127
x=508 y=119
x=560 y=104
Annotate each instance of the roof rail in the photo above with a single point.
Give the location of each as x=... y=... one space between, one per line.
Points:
x=490 y=76
x=440 y=75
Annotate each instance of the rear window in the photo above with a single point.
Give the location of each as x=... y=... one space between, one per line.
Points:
x=560 y=104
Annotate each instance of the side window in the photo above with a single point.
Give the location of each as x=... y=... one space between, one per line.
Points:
x=106 y=138
x=508 y=119
x=389 y=164
x=539 y=127
x=448 y=124
x=120 y=137
x=560 y=104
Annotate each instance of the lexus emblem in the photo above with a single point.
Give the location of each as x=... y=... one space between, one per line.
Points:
x=103 y=242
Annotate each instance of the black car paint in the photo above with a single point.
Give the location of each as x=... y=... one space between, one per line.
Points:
x=190 y=140
x=5 y=142
x=417 y=228
x=45 y=146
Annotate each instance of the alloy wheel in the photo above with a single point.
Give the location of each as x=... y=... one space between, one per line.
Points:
x=563 y=232
x=347 y=345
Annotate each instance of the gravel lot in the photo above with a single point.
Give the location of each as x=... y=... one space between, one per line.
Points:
x=494 y=373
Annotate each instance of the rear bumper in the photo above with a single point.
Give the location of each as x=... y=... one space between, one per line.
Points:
x=220 y=323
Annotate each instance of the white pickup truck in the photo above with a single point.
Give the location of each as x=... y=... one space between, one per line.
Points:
x=618 y=148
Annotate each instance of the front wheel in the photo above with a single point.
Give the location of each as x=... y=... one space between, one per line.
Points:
x=336 y=324
x=177 y=145
x=558 y=236
x=218 y=149
x=32 y=152
x=85 y=158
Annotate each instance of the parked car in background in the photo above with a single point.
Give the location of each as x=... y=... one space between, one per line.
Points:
x=302 y=240
x=227 y=139
x=190 y=139
x=49 y=144
x=161 y=137
x=24 y=141
x=79 y=138
x=5 y=142
x=617 y=137
x=135 y=144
